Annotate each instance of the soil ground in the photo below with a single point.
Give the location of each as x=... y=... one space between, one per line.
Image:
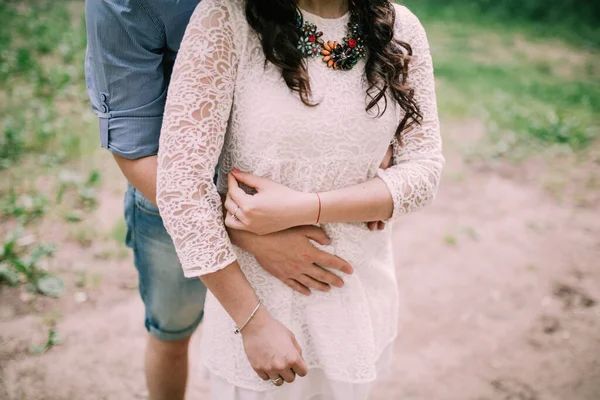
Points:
x=500 y=287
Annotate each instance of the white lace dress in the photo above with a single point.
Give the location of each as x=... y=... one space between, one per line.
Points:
x=225 y=105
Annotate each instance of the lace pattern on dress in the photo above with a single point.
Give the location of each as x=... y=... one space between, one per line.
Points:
x=223 y=98
x=413 y=179
x=198 y=105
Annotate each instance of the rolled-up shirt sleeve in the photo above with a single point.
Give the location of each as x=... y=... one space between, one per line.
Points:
x=125 y=75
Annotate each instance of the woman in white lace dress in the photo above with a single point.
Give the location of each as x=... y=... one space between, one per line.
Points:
x=298 y=100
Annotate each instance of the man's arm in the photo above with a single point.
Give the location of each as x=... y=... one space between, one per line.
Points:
x=141 y=174
x=125 y=76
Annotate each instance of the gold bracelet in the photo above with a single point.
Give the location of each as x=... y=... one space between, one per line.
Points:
x=238 y=330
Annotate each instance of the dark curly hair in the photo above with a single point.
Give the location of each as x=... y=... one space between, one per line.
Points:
x=387 y=58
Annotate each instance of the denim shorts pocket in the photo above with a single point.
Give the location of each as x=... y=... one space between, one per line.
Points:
x=145 y=205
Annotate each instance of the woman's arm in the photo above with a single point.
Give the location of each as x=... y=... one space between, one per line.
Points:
x=409 y=185
x=275 y=207
x=198 y=106
x=412 y=181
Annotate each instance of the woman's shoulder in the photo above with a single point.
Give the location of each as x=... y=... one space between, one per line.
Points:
x=404 y=15
x=407 y=24
x=226 y=10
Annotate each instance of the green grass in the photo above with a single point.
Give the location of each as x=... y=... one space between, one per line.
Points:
x=533 y=92
x=42 y=86
x=24 y=208
x=119 y=232
x=46 y=126
x=487 y=65
x=559 y=19
x=52 y=340
x=20 y=264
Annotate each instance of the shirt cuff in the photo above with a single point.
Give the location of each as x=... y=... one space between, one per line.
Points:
x=197 y=272
x=131 y=137
x=394 y=188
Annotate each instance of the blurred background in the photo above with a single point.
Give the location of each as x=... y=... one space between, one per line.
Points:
x=500 y=278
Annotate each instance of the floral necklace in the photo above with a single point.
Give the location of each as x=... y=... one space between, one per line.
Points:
x=343 y=55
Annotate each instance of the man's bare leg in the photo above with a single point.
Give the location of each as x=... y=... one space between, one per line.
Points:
x=166 y=368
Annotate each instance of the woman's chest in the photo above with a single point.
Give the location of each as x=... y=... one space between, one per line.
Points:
x=270 y=117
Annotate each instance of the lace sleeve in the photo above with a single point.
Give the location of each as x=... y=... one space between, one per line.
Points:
x=417 y=164
x=198 y=105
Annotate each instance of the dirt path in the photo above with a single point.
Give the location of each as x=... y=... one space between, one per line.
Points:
x=500 y=288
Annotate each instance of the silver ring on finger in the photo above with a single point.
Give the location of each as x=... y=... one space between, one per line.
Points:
x=235 y=213
x=277 y=382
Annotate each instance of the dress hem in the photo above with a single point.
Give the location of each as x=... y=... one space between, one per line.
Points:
x=206 y=372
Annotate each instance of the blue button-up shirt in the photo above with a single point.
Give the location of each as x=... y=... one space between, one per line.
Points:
x=132 y=45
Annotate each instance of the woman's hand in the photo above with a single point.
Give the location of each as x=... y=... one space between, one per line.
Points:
x=273 y=208
x=272 y=349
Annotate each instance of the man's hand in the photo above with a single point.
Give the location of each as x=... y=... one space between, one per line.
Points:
x=291 y=257
x=387 y=159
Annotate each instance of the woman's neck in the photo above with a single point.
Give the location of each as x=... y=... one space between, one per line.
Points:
x=325 y=8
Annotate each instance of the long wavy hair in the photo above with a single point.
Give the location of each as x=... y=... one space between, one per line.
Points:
x=386 y=70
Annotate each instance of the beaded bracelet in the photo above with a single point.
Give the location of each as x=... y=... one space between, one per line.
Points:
x=238 y=330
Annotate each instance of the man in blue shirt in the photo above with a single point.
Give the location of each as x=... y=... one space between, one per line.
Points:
x=132 y=45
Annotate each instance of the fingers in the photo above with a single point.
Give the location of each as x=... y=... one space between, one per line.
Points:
x=387 y=159
x=300 y=368
x=328 y=260
x=293 y=364
x=376 y=225
x=263 y=375
x=288 y=375
x=235 y=217
x=234 y=190
x=275 y=376
x=284 y=363
x=312 y=283
x=234 y=209
x=317 y=234
x=253 y=181
x=297 y=286
x=323 y=276
x=234 y=223
x=296 y=344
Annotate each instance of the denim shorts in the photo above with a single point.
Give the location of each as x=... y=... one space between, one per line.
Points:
x=174 y=304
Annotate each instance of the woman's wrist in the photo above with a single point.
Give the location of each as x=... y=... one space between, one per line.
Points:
x=308 y=209
x=258 y=322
